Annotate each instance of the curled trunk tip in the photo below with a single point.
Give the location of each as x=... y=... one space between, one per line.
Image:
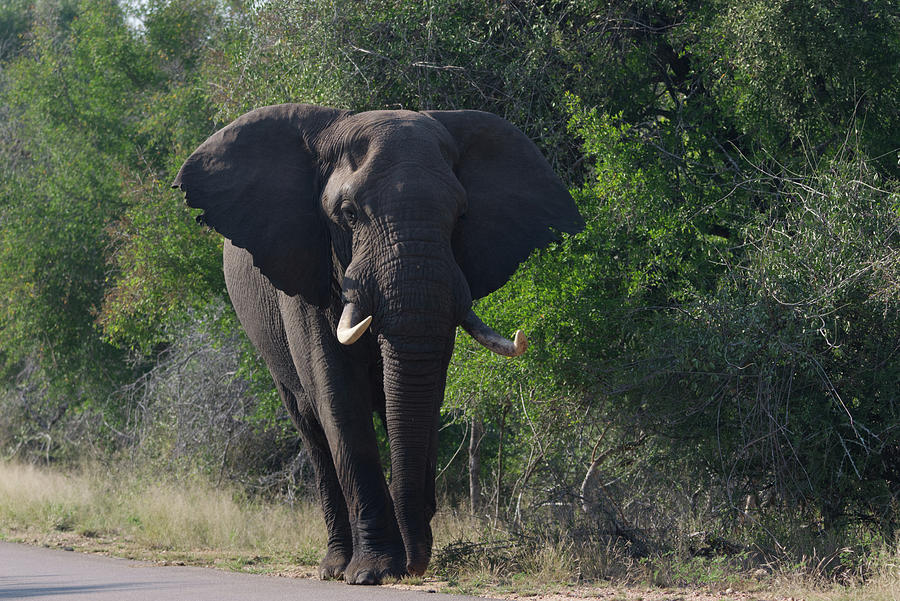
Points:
x=491 y=340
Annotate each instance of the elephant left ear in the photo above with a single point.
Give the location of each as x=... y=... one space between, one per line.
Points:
x=256 y=181
x=515 y=200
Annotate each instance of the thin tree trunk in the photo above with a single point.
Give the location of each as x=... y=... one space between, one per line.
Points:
x=500 y=463
x=476 y=432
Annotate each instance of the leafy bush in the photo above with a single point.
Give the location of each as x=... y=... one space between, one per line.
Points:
x=792 y=364
x=194 y=413
x=724 y=330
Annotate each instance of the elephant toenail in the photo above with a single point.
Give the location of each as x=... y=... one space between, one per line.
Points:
x=365 y=577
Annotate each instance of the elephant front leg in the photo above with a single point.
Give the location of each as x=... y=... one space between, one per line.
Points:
x=339 y=383
x=378 y=549
x=337 y=519
x=340 y=533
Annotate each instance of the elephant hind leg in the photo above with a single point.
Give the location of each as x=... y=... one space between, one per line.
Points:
x=331 y=497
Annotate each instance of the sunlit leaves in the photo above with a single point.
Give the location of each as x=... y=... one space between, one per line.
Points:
x=51 y=253
x=164 y=266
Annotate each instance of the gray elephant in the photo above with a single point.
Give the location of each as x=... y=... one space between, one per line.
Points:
x=355 y=244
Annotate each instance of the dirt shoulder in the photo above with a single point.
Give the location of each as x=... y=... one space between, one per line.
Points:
x=619 y=593
x=286 y=567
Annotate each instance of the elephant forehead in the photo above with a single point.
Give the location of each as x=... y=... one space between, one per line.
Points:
x=390 y=135
x=389 y=122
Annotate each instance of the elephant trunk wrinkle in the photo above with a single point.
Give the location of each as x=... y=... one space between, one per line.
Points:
x=412 y=287
x=417 y=299
x=416 y=382
x=414 y=387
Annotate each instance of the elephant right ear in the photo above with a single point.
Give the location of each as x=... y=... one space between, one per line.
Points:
x=255 y=180
x=515 y=200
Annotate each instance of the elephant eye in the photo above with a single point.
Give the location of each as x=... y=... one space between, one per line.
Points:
x=349 y=214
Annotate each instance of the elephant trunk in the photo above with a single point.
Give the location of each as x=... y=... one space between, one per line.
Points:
x=414 y=388
x=421 y=299
x=416 y=295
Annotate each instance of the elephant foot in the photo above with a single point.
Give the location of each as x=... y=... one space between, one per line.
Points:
x=333 y=564
x=375 y=568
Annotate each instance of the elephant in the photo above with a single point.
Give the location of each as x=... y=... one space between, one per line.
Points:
x=355 y=243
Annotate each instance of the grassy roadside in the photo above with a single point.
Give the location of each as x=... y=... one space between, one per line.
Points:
x=195 y=523
x=120 y=514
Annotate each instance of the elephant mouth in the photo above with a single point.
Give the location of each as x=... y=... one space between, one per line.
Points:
x=352 y=325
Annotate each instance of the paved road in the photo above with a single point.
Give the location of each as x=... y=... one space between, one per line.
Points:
x=36 y=573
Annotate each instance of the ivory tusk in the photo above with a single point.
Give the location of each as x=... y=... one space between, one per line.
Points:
x=351 y=327
x=491 y=340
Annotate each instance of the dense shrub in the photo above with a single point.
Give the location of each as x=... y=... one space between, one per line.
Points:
x=725 y=328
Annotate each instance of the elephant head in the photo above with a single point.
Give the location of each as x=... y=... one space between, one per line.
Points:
x=396 y=221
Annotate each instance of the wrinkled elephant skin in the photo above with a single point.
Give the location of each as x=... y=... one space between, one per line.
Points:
x=355 y=244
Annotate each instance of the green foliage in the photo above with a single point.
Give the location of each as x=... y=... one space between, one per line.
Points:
x=69 y=96
x=51 y=261
x=15 y=20
x=163 y=264
x=164 y=267
x=90 y=117
x=726 y=322
x=86 y=76
x=790 y=71
x=792 y=360
x=688 y=183
x=514 y=59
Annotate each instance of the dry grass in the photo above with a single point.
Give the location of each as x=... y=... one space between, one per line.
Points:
x=184 y=517
x=196 y=523
x=883 y=584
